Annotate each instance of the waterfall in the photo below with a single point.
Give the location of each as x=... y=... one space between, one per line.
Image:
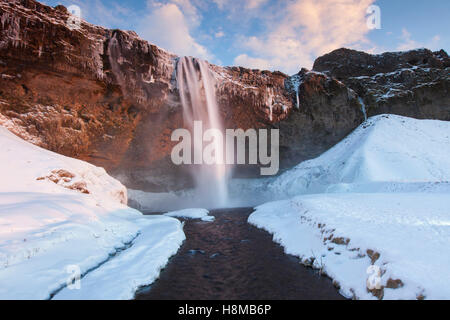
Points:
x=196 y=86
x=363 y=108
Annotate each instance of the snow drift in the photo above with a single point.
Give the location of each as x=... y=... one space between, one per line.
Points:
x=57 y=212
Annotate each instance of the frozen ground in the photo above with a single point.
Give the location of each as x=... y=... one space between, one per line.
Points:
x=381 y=197
x=58 y=213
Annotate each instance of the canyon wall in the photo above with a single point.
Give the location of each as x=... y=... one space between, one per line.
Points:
x=111 y=98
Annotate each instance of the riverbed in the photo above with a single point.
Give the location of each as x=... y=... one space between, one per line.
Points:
x=231 y=260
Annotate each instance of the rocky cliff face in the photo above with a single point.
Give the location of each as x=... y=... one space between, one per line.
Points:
x=81 y=92
x=111 y=98
x=413 y=83
x=346 y=86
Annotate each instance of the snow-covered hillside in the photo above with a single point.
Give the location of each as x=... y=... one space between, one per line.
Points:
x=58 y=213
x=385 y=150
x=377 y=217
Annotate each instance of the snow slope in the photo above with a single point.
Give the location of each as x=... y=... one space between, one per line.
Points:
x=379 y=201
x=57 y=212
x=384 y=149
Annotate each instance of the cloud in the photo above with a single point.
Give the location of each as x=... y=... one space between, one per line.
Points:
x=305 y=29
x=169 y=24
x=408 y=43
x=219 y=34
x=253 y=4
x=189 y=10
x=252 y=63
x=221 y=3
x=239 y=5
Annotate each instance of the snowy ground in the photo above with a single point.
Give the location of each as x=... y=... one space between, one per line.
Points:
x=59 y=214
x=381 y=197
x=411 y=232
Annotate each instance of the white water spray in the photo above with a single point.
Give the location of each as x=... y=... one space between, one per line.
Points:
x=196 y=85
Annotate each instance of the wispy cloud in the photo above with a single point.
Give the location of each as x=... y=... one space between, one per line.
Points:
x=249 y=4
x=253 y=4
x=407 y=42
x=219 y=34
x=252 y=63
x=305 y=29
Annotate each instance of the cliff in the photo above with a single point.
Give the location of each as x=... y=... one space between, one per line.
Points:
x=111 y=98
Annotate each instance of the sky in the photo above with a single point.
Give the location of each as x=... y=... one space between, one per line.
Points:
x=283 y=35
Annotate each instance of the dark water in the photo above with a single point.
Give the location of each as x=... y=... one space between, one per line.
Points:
x=230 y=259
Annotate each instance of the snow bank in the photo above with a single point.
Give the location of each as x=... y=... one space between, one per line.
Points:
x=57 y=212
x=139 y=265
x=191 y=214
x=338 y=232
x=378 y=203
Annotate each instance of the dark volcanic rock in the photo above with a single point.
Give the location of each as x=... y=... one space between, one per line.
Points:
x=344 y=63
x=413 y=83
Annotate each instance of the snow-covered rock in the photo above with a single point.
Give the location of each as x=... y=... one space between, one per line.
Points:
x=57 y=212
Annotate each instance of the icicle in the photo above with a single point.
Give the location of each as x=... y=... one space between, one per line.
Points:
x=270 y=101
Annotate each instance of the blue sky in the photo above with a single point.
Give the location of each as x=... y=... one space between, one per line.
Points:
x=280 y=35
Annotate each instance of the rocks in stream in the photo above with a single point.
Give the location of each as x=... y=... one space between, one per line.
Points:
x=111 y=98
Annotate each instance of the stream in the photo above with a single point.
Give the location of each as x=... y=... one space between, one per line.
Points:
x=229 y=259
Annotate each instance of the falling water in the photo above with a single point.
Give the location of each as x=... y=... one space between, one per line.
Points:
x=363 y=108
x=196 y=85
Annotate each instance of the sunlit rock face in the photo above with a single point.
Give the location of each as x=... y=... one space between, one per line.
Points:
x=111 y=98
